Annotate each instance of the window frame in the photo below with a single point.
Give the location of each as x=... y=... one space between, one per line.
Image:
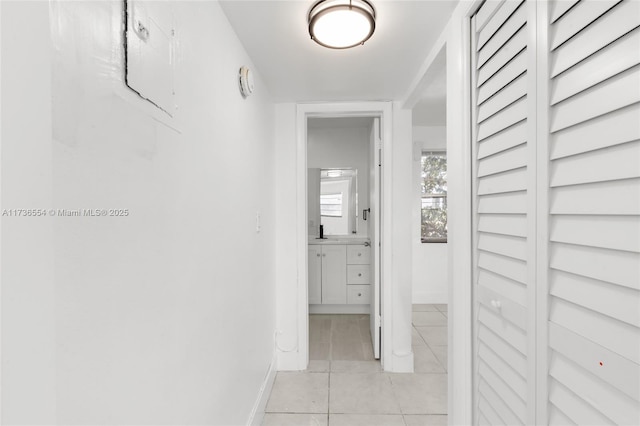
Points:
x=444 y=196
x=324 y=211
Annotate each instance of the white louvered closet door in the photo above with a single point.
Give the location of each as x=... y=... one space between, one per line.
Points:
x=594 y=221
x=556 y=212
x=503 y=93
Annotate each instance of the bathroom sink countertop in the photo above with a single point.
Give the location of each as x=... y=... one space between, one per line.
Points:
x=338 y=240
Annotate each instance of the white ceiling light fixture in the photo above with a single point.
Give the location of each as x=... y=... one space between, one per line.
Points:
x=341 y=24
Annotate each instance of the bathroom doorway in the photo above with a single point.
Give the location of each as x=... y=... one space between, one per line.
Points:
x=343 y=216
x=352 y=264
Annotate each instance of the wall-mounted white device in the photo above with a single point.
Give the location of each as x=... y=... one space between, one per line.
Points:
x=245 y=80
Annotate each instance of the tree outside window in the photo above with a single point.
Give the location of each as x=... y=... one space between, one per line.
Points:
x=434 y=197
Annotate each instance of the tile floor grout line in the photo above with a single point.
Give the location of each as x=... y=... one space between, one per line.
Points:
x=330 y=342
x=329 y=394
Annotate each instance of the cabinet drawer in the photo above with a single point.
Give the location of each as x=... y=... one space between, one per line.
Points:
x=358 y=274
x=358 y=255
x=358 y=295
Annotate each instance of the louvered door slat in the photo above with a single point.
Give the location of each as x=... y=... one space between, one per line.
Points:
x=504 y=33
x=505 y=245
x=623 y=54
x=509 y=116
x=497 y=20
x=509 y=203
x=511 y=377
x=505 y=224
x=623 y=198
x=509 y=310
x=577 y=409
x=502 y=265
x=501 y=407
x=615 y=301
x=608 y=130
x=617 y=92
x=511 y=289
x=616 y=233
x=508 y=138
x=505 y=97
x=507 y=51
x=514 y=68
x=558 y=8
x=616 y=163
x=617 y=336
x=486 y=12
x=504 y=350
x=597 y=360
x=489 y=414
x=609 y=27
x=498 y=325
x=598 y=394
x=557 y=417
x=577 y=18
x=515 y=407
x=513 y=158
x=513 y=180
x=616 y=267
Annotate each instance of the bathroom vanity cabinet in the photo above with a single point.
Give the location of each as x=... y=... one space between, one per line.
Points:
x=338 y=274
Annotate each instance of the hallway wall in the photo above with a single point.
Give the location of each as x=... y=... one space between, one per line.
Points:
x=166 y=315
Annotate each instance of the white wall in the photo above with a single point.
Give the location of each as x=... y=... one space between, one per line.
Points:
x=331 y=148
x=289 y=300
x=27 y=270
x=154 y=317
x=401 y=265
x=429 y=259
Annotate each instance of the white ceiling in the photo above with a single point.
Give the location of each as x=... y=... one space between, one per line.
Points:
x=294 y=68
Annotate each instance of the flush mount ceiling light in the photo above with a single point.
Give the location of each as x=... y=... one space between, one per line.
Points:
x=341 y=24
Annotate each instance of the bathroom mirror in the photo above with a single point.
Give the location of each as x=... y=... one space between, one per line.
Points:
x=333 y=201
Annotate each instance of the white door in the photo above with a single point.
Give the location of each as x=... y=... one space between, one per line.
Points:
x=334 y=274
x=556 y=212
x=374 y=218
x=593 y=163
x=503 y=225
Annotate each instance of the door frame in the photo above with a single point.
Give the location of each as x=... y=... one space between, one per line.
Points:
x=455 y=39
x=382 y=110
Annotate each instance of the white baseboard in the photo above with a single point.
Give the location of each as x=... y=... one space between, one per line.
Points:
x=289 y=361
x=401 y=363
x=430 y=297
x=257 y=413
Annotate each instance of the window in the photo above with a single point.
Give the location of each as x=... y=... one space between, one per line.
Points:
x=434 y=197
x=331 y=204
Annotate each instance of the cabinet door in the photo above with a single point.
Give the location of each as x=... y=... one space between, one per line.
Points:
x=334 y=274
x=315 y=274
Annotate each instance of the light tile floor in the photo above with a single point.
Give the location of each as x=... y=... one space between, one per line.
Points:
x=345 y=386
